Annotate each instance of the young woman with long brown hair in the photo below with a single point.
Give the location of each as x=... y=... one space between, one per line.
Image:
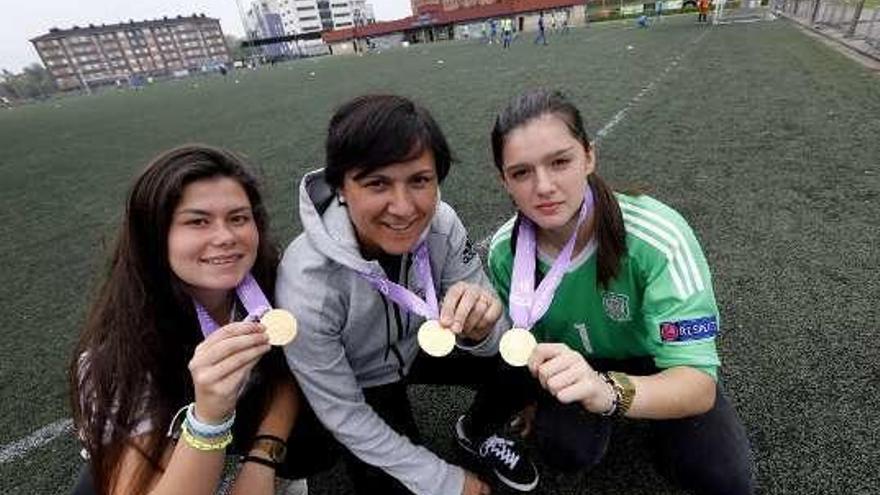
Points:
x=164 y=338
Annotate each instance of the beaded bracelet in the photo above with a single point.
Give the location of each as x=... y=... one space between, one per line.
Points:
x=202 y=443
x=206 y=430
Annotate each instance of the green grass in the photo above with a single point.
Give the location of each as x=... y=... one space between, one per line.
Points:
x=764 y=139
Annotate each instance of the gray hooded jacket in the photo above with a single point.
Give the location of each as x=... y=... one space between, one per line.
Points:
x=349 y=337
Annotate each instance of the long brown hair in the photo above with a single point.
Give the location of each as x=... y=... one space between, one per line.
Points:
x=130 y=363
x=610 y=232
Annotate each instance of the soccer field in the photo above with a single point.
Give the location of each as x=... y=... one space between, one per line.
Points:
x=766 y=140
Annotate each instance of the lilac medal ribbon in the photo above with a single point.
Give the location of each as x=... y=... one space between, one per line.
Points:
x=429 y=309
x=250 y=295
x=527 y=304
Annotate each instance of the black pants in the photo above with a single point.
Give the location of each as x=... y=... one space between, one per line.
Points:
x=392 y=404
x=708 y=453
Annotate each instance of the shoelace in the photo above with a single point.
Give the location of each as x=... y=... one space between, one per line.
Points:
x=500 y=448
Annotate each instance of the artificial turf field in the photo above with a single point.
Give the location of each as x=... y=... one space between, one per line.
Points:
x=766 y=140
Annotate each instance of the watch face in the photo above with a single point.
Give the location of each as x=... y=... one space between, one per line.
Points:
x=274 y=448
x=278 y=451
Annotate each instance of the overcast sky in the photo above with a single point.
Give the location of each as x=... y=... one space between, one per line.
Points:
x=22 y=20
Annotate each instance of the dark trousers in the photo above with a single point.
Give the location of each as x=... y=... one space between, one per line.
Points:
x=541 y=37
x=392 y=404
x=708 y=453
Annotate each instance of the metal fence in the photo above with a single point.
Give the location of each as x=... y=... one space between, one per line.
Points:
x=850 y=20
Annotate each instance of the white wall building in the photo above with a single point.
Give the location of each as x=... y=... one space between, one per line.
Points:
x=309 y=16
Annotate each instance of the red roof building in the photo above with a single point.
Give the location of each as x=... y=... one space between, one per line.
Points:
x=434 y=15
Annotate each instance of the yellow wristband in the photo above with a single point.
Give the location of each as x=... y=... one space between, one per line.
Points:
x=202 y=443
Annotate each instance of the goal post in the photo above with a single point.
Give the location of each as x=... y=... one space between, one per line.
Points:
x=735 y=11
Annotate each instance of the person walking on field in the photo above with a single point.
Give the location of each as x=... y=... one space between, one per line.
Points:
x=507 y=31
x=566 y=19
x=703 y=8
x=542 y=35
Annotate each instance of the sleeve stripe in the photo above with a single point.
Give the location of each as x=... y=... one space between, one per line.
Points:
x=672 y=245
x=688 y=255
x=673 y=272
x=504 y=232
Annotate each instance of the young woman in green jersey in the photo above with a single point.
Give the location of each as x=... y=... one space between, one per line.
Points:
x=631 y=328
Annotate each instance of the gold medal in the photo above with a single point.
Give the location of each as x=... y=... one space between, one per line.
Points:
x=516 y=346
x=280 y=326
x=435 y=340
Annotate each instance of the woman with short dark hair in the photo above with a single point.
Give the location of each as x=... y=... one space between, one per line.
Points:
x=381 y=263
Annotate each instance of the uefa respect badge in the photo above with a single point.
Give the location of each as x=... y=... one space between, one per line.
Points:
x=689 y=330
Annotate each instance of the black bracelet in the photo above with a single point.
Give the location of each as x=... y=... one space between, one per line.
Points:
x=258 y=460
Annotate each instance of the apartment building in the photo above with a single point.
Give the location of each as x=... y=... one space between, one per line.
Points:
x=262 y=20
x=81 y=57
x=308 y=16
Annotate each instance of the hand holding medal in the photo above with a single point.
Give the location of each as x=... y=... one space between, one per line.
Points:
x=528 y=304
x=433 y=338
x=280 y=324
x=516 y=346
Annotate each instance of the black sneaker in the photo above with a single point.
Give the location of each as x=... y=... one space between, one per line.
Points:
x=507 y=461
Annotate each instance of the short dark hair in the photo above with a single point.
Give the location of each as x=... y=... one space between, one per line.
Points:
x=373 y=131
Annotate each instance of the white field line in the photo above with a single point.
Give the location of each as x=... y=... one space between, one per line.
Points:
x=619 y=116
x=483 y=245
x=46 y=434
x=37 y=439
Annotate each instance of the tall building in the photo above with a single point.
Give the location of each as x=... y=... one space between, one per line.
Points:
x=262 y=21
x=308 y=16
x=94 y=55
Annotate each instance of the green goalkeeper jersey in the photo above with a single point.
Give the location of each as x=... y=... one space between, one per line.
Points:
x=660 y=304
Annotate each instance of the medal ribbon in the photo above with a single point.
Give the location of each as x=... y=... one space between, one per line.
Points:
x=527 y=304
x=404 y=297
x=250 y=295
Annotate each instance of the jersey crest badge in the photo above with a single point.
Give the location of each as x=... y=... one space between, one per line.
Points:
x=616 y=306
